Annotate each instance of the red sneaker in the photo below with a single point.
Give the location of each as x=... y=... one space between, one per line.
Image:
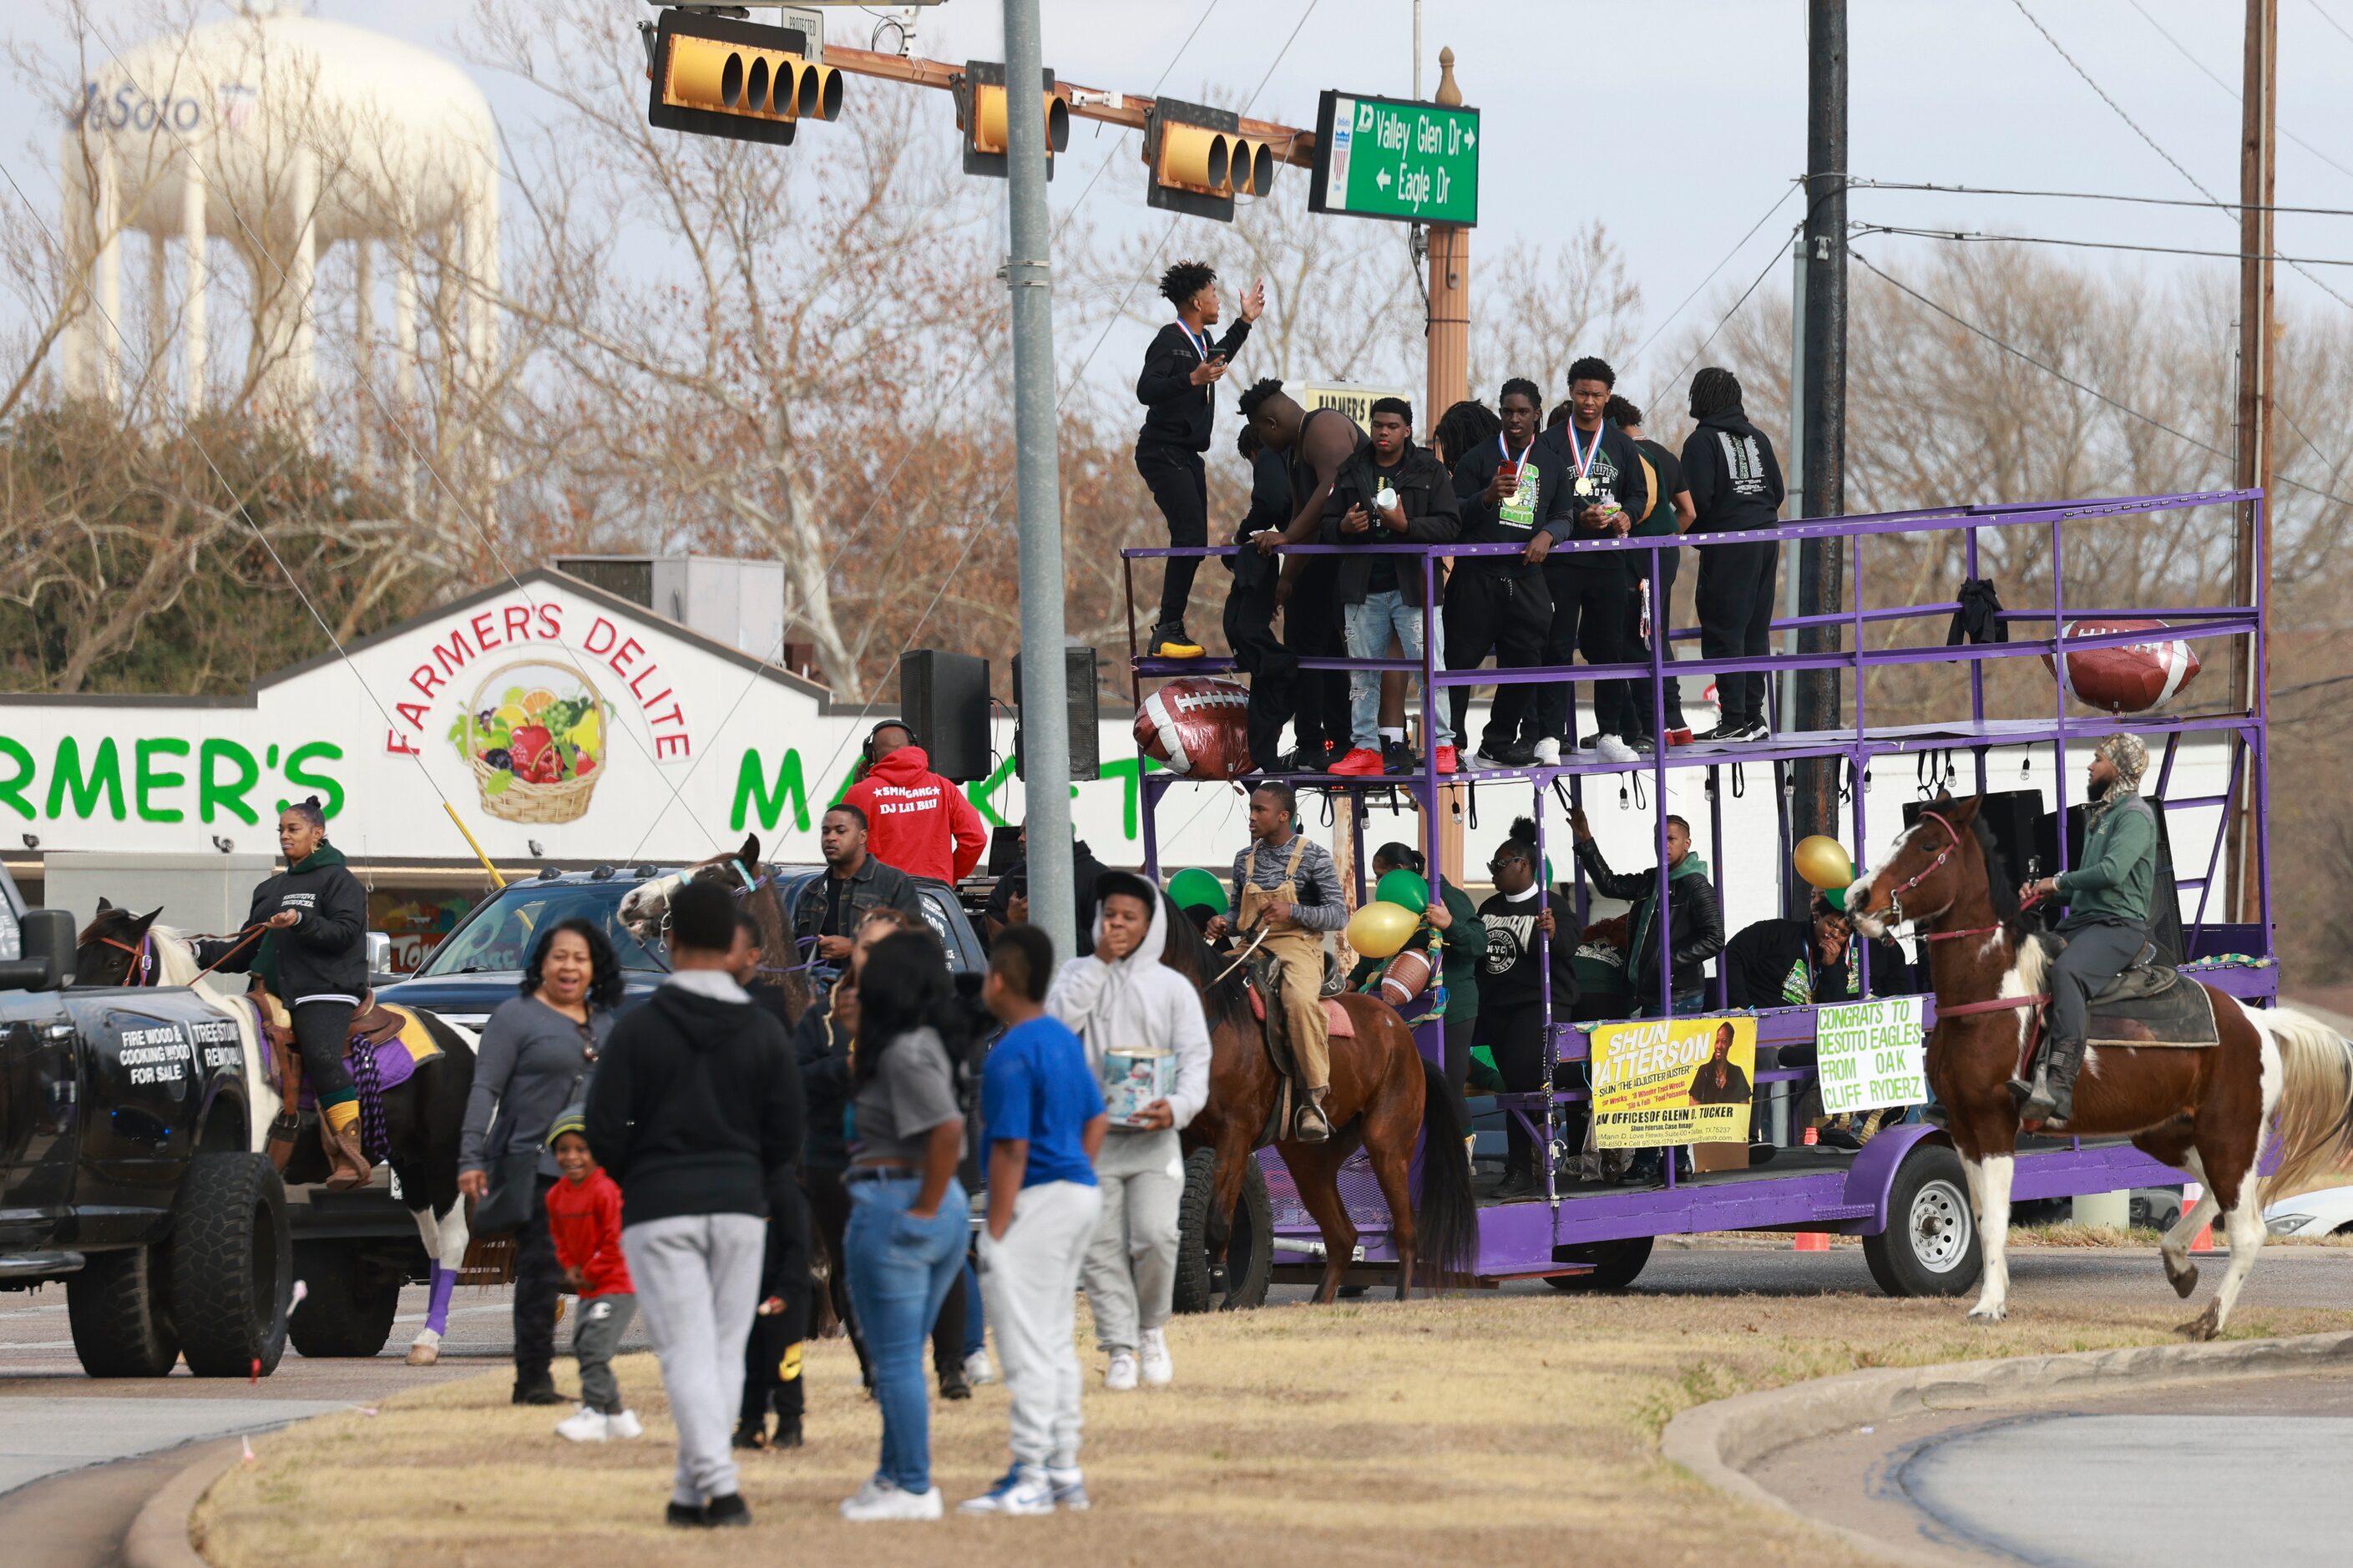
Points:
x=1679 y=737
x=1448 y=761
x=1359 y=763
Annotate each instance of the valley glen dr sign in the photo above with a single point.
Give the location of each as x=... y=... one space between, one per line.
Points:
x=546 y=710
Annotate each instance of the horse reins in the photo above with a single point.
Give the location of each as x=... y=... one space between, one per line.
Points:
x=1243 y=955
x=1963 y=1009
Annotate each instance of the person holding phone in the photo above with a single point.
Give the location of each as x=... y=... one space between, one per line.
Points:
x=1178 y=390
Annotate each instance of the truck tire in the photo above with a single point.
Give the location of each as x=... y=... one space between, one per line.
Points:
x=1930 y=1244
x=347 y=1308
x=1249 y=1249
x=1615 y=1264
x=121 y=1322
x=232 y=1266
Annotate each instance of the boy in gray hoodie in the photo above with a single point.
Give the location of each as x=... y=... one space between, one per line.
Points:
x=1122 y=998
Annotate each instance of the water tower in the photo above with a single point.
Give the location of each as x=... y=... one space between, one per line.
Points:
x=282 y=134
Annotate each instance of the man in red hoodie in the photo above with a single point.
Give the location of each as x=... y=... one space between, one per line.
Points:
x=917 y=821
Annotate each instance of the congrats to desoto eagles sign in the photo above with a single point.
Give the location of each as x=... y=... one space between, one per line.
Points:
x=1666 y=1082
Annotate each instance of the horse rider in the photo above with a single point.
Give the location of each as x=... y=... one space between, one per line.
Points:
x=1287 y=890
x=312 y=955
x=2107 y=919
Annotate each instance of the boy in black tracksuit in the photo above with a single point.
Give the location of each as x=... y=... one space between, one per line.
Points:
x=1524 y=920
x=1259 y=652
x=1735 y=485
x=1594 y=465
x=1500 y=604
x=1178 y=387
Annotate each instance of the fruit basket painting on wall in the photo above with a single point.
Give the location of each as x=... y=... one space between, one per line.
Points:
x=533 y=735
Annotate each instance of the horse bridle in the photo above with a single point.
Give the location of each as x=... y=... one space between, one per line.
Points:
x=143 y=952
x=1895 y=895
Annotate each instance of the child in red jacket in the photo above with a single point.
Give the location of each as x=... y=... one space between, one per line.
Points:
x=584 y=1215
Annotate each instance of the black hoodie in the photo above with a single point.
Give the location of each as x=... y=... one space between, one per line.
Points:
x=1733 y=477
x=695 y=1108
x=1176 y=411
x=324 y=952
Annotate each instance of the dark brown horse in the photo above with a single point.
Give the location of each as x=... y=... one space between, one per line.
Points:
x=2207 y=1111
x=1384 y=1096
x=646 y=911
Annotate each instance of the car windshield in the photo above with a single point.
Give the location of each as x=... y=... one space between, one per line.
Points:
x=500 y=934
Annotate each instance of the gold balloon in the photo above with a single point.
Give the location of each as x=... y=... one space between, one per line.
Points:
x=1822 y=861
x=1377 y=931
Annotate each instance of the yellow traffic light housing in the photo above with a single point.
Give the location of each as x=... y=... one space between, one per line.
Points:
x=980 y=99
x=1201 y=160
x=714 y=76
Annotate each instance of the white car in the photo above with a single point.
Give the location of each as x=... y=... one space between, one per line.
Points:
x=2327 y=1212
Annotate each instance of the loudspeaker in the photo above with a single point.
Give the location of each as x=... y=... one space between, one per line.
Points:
x=2164 y=894
x=1078 y=675
x=944 y=698
x=2011 y=815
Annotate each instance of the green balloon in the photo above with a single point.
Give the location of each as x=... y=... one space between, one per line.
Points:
x=1194 y=889
x=1836 y=898
x=1404 y=888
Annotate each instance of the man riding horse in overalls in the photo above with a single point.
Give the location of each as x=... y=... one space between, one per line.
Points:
x=1287 y=897
x=2108 y=899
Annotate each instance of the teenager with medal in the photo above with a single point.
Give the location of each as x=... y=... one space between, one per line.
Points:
x=1178 y=390
x=1317 y=444
x=1596 y=490
x=1671 y=514
x=1500 y=604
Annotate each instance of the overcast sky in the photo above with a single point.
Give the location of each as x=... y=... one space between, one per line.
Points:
x=1675 y=122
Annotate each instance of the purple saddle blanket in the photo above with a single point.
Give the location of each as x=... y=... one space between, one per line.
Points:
x=387 y=1065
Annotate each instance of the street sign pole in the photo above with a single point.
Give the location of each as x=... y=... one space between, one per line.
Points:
x=1045 y=698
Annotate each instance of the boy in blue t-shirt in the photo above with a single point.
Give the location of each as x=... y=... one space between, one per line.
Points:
x=1041 y=1113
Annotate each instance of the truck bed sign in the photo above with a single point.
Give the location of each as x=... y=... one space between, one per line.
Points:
x=1396 y=158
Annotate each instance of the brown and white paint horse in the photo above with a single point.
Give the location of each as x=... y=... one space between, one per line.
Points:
x=2207 y=1111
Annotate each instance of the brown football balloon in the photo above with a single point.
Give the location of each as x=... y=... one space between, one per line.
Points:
x=1198 y=727
x=2127 y=677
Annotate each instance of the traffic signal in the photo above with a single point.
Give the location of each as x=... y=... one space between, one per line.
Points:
x=1201 y=160
x=714 y=76
x=980 y=115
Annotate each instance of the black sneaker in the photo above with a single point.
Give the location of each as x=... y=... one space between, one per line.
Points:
x=1733 y=730
x=1396 y=757
x=787 y=1434
x=726 y=1512
x=535 y=1388
x=689 y=1516
x=1512 y=754
x=1306 y=759
x=953 y=1385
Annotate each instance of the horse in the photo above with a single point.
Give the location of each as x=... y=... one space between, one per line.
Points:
x=422 y=1117
x=645 y=911
x=1384 y=1095
x=2208 y=1112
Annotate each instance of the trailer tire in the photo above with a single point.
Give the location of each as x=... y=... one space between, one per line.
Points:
x=1615 y=1264
x=346 y=1309
x=232 y=1266
x=1249 y=1249
x=1930 y=1246
x=120 y=1319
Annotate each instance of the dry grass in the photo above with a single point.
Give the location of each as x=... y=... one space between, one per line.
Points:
x=1439 y=1432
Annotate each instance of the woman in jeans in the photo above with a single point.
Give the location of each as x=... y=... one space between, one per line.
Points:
x=532 y=1062
x=909 y=1220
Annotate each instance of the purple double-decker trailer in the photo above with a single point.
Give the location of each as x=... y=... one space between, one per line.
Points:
x=1902 y=1190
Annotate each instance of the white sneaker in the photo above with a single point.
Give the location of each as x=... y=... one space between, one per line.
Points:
x=896 y=1504
x=1611 y=749
x=1021 y=1491
x=623 y=1426
x=1548 y=752
x=876 y=1485
x=1069 y=1489
x=1120 y=1376
x=977 y=1369
x=1158 y=1370
x=582 y=1426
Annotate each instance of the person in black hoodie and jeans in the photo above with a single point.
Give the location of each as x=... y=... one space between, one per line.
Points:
x=1178 y=390
x=696 y=1109
x=311 y=953
x=1735 y=485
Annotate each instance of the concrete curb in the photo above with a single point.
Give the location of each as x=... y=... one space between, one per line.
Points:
x=1718 y=1442
x=158 y=1537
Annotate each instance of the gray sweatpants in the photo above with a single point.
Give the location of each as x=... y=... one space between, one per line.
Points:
x=603 y=1321
x=2095 y=953
x=1030 y=1282
x=1130 y=1268
x=697 y=1278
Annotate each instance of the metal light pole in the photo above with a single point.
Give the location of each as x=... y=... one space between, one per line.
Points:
x=1820 y=562
x=1045 y=695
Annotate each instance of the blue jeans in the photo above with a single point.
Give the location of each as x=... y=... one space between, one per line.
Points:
x=900 y=1271
x=975 y=1317
x=1369 y=626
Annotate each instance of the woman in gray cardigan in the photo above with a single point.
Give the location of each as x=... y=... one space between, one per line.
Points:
x=534 y=1061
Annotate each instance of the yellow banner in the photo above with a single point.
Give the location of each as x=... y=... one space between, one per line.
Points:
x=1664 y=1081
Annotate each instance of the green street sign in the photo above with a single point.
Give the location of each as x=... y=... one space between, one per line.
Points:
x=1396 y=158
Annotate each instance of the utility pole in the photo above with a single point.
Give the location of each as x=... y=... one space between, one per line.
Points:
x=1446 y=380
x=1819 y=564
x=2257 y=141
x=1045 y=695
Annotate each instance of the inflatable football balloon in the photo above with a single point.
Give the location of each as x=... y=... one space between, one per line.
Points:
x=1405 y=977
x=1378 y=930
x=1822 y=862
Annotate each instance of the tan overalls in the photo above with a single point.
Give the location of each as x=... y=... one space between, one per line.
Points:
x=1302 y=952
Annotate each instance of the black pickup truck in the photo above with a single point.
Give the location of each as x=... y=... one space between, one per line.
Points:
x=126 y=1166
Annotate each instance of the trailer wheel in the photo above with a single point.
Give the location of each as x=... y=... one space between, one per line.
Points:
x=232 y=1265
x=121 y=1322
x=347 y=1307
x=1615 y=1264
x=1930 y=1244
x=1200 y=1287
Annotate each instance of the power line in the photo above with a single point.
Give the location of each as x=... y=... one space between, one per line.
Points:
x=1635 y=358
x=1864 y=185
x=1978 y=237
x=2191 y=56
x=2331 y=20
x=1692 y=357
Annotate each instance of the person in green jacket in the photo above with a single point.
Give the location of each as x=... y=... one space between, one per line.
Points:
x=2107 y=919
x=1462 y=946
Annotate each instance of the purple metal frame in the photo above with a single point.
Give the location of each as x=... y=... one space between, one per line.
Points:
x=1840 y=1193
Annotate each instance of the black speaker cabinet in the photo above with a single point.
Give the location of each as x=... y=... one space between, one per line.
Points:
x=1079 y=674
x=2012 y=816
x=2164 y=894
x=944 y=698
